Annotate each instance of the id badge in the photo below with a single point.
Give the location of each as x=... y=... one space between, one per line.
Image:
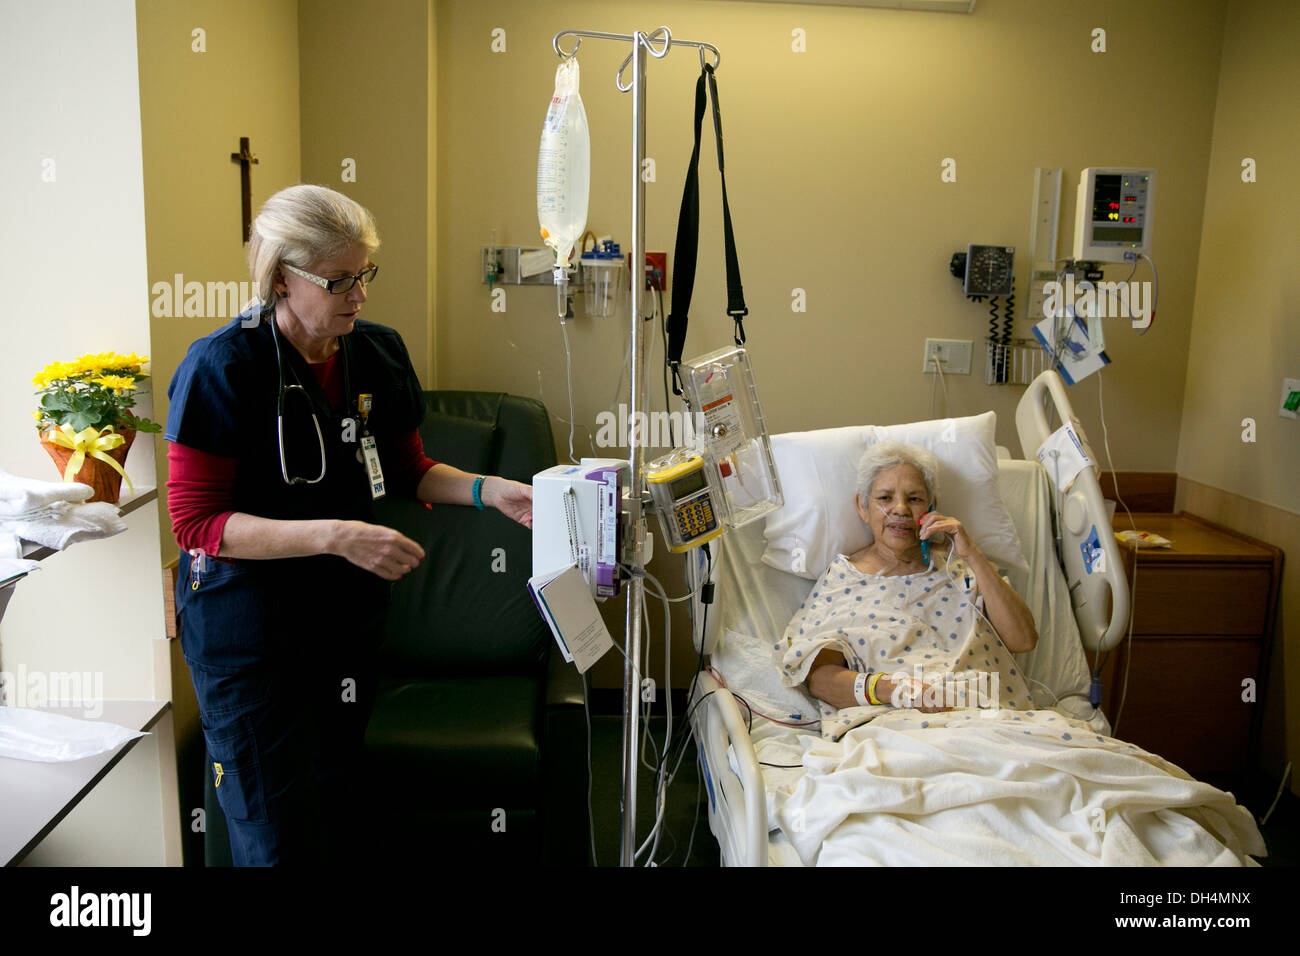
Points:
x=374 y=474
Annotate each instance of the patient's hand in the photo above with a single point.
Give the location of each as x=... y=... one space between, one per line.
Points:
x=909 y=693
x=932 y=523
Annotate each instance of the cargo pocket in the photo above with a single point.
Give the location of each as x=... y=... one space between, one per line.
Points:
x=235 y=769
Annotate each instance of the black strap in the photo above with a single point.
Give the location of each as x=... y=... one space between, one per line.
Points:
x=735 y=293
x=686 y=251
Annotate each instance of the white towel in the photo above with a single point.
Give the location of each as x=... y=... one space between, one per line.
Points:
x=20 y=496
x=54 y=513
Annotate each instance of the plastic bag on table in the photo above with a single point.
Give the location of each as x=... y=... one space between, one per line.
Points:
x=28 y=734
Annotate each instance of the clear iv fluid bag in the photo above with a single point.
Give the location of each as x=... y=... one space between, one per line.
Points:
x=564 y=166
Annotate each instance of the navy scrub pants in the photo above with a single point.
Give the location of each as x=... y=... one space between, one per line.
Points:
x=282 y=665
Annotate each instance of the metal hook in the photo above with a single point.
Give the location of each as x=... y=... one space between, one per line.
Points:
x=647 y=41
x=717 y=57
x=555 y=45
x=618 y=78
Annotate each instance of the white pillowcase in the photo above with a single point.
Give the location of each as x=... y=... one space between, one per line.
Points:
x=819 y=472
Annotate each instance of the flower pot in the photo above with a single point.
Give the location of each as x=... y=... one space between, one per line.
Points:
x=105 y=481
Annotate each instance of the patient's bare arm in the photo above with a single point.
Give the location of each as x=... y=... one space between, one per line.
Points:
x=1004 y=608
x=1008 y=614
x=830 y=680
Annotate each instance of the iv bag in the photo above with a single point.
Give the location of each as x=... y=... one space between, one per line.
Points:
x=564 y=166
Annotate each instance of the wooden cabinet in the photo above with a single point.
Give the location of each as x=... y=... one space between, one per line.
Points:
x=1203 y=617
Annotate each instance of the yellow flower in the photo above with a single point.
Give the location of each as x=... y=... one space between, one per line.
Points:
x=123 y=367
x=52 y=373
x=117 y=383
x=88 y=364
x=36 y=414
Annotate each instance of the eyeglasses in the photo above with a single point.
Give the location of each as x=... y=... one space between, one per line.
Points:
x=336 y=286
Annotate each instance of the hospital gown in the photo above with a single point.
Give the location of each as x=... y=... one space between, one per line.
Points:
x=921 y=625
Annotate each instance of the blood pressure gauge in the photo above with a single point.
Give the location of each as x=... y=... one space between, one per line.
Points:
x=679 y=485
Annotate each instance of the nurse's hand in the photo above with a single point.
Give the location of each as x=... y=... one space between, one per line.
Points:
x=383 y=551
x=512 y=498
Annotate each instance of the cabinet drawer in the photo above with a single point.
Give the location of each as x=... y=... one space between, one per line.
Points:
x=1201 y=600
x=1184 y=701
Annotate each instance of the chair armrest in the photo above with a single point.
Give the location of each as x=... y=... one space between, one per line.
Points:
x=565 y=837
x=563 y=682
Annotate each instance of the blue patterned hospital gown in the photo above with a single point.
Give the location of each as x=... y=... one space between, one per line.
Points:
x=922 y=625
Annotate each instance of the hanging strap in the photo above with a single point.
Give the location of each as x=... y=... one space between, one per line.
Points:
x=735 y=293
x=686 y=251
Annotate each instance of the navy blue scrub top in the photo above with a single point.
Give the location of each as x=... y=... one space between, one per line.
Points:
x=224 y=399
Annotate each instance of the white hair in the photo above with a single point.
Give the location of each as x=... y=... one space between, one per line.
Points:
x=301 y=225
x=890 y=454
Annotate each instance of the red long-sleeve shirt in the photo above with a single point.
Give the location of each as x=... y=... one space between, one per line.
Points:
x=200 y=486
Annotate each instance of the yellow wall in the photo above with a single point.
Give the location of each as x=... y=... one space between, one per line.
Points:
x=194 y=107
x=834 y=161
x=833 y=158
x=1245 y=336
x=365 y=97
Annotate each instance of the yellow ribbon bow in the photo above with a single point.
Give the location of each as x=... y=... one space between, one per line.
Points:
x=88 y=441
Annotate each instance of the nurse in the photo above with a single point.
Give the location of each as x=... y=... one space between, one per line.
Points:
x=284 y=427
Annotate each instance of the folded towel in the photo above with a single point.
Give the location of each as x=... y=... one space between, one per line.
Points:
x=53 y=513
x=57 y=530
x=20 y=495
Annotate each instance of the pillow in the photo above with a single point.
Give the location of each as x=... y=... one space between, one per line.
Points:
x=819 y=472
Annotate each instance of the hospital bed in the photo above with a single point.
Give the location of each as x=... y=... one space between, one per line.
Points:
x=765 y=765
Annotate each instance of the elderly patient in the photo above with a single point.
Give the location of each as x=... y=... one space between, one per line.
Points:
x=888 y=628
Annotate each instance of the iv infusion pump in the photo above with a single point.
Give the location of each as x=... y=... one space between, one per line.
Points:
x=726 y=480
x=578 y=519
x=1113 y=213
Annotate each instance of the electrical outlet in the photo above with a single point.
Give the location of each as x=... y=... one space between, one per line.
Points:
x=653 y=260
x=953 y=355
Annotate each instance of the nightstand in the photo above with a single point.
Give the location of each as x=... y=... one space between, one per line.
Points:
x=1203 y=620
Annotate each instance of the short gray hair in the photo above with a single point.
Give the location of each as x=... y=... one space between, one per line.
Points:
x=301 y=225
x=889 y=454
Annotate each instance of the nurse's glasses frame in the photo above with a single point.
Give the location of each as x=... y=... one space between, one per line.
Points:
x=340 y=285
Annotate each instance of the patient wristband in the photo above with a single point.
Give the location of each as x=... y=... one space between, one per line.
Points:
x=871 y=690
x=859 y=689
x=478 y=492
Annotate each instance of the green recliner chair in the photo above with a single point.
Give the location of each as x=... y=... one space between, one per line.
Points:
x=476 y=748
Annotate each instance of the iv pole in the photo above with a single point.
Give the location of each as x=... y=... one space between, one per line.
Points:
x=642 y=43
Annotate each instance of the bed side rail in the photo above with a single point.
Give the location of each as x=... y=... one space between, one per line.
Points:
x=1090 y=555
x=737 y=804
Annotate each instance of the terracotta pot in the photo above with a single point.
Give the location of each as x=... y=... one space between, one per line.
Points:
x=101 y=477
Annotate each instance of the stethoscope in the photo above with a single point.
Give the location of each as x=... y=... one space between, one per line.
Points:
x=297 y=386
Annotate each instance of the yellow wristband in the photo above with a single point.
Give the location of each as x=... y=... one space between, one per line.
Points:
x=871 y=688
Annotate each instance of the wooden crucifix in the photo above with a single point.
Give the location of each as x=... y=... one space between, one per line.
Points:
x=245 y=160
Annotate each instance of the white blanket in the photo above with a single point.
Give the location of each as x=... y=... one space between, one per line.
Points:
x=998 y=788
